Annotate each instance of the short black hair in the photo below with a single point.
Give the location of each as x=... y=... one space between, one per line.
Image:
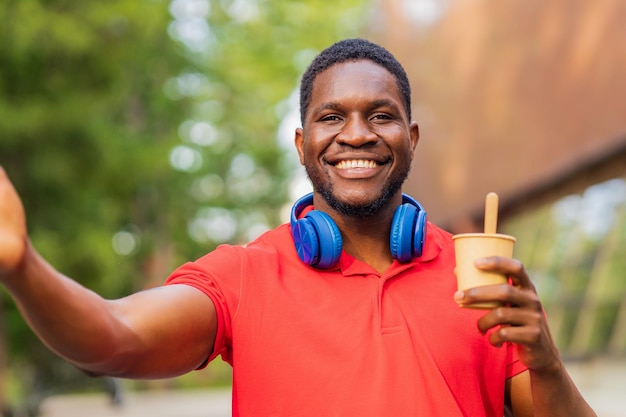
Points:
x=353 y=50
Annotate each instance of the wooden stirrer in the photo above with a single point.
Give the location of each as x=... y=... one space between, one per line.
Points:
x=491 y=213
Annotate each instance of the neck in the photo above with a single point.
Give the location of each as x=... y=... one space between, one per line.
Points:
x=368 y=239
x=365 y=238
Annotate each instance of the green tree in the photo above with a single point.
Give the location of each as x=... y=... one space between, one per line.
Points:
x=140 y=134
x=85 y=131
x=248 y=56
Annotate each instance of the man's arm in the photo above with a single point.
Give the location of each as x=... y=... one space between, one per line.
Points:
x=156 y=333
x=545 y=389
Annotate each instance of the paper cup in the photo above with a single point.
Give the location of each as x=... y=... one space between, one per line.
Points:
x=470 y=246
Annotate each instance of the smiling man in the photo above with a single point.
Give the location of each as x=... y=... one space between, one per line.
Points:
x=358 y=139
x=351 y=309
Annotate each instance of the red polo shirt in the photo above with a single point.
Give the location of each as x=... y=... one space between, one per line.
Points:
x=348 y=341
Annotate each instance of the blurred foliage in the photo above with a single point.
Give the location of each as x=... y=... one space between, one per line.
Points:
x=147 y=118
x=84 y=134
x=573 y=250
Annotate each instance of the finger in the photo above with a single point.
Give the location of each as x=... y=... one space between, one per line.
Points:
x=510 y=267
x=526 y=336
x=502 y=294
x=12 y=248
x=510 y=316
x=12 y=225
x=490 y=294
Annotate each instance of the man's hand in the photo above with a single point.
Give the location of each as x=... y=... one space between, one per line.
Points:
x=13 y=234
x=521 y=319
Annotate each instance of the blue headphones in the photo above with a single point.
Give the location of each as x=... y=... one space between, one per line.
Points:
x=318 y=239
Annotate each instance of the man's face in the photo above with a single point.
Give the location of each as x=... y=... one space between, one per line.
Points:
x=356 y=143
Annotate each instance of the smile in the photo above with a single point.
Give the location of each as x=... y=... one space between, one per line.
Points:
x=356 y=163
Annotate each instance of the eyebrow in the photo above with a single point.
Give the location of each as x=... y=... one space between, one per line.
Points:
x=335 y=105
x=385 y=103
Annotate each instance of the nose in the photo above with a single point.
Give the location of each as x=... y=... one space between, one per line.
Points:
x=356 y=132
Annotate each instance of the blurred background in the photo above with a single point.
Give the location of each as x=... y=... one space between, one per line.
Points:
x=141 y=134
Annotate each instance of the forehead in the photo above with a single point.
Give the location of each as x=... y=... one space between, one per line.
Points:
x=361 y=79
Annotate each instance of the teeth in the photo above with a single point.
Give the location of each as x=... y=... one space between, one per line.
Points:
x=356 y=163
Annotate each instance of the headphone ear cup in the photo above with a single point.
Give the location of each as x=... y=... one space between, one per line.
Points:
x=318 y=240
x=402 y=232
x=420 y=233
x=329 y=238
x=306 y=241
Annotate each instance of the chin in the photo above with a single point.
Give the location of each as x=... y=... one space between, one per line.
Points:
x=361 y=204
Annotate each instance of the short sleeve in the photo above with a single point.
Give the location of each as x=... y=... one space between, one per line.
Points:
x=513 y=365
x=217 y=275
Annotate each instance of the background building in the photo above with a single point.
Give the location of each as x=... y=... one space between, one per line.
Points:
x=527 y=99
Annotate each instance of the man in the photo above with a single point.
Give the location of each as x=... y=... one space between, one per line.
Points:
x=349 y=310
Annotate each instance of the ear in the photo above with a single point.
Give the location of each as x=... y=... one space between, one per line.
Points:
x=299 y=142
x=414 y=132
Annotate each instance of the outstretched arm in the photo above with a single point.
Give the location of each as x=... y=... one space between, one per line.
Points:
x=156 y=333
x=546 y=389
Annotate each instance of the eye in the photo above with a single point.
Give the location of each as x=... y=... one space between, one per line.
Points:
x=330 y=118
x=382 y=117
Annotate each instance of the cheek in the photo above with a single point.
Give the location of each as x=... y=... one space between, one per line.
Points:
x=311 y=150
x=409 y=150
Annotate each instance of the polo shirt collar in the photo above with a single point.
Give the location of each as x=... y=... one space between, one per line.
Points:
x=348 y=265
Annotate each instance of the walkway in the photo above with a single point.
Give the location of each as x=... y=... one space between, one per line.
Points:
x=602 y=383
x=193 y=403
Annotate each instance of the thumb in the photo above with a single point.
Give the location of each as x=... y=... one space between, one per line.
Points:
x=13 y=233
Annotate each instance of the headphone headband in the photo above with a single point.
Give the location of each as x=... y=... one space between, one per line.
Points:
x=318 y=239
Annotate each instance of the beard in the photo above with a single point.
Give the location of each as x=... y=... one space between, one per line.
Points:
x=322 y=184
